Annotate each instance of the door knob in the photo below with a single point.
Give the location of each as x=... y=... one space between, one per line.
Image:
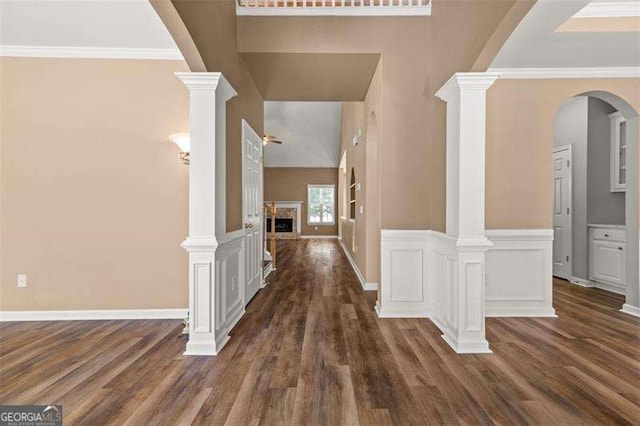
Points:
x=248 y=225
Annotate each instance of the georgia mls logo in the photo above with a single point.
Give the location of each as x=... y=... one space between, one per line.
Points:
x=28 y=415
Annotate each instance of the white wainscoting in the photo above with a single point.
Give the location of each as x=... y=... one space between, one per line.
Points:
x=404 y=291
x=229 y=286
x=519 y=280
x=419 y=270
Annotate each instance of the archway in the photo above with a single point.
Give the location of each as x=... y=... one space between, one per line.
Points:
x=631 y=217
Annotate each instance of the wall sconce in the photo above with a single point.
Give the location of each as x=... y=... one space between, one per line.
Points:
x=183 y=142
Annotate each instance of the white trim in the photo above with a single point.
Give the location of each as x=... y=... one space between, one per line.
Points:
x=365 y=285
x=403 y=313
x=581 y=282
x=520 y=312
x=541 y=73
x=90 y=52
x=335 y=200
x=335 y=11
x=519 y=234
x=101 y=314
x=313 y=237
x=614 y=9
x=631 y=310
x=612 y=288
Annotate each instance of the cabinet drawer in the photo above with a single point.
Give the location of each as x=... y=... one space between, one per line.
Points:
x=609 y=234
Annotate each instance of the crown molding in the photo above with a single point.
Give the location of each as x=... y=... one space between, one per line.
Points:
x=89 y=52
x=617 y=9
x=596 y=72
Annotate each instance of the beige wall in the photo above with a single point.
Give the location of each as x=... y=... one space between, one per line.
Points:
x=353 y=231
x=93 y=194
x=362 y=235
x=418 y=55
x=520 y=117
x=290 y=184
x=212 y=26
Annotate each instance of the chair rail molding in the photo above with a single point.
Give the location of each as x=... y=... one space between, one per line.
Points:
x=208 y=270
x=466 y=245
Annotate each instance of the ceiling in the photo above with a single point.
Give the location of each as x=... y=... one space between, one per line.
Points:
x=312 y=76
x=310 y=132
x=82 y=23
x=536 y=44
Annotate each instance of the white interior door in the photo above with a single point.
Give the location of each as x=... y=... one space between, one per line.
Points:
x=252 y=210
x=562 y=237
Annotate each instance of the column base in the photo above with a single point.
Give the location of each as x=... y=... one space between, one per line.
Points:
x=206 y=349
x=475 y=347
x=631 y=310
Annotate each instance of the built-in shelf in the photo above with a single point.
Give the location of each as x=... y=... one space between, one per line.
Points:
x=352 y=195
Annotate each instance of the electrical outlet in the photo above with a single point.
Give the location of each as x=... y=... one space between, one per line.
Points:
x=316 y=228
x=22 y=280
x=361 y=209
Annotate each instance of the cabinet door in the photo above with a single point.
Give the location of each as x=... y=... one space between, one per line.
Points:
x=608 y=261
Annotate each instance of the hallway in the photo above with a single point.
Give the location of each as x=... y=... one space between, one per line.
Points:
x=311 y=350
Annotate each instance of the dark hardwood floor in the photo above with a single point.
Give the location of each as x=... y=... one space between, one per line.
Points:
x=310 y=350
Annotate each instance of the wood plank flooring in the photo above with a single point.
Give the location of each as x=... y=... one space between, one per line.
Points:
x=310 y=350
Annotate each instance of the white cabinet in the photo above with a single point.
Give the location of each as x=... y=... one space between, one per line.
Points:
x=607 y=258
x=618 y=152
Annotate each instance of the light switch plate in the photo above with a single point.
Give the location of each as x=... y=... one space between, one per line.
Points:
x=22 y=280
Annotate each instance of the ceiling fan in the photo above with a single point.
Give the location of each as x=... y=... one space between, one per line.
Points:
x=270 y=139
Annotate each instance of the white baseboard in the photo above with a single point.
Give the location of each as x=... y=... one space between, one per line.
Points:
x=519 y=311
x=598 y=284
x=365 y=286
x=102 y=314
x=581 y=282
x=631 y=310
x=313 y=237
x=405 y=313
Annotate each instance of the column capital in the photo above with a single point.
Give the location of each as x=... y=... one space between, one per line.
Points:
x=466 y=80
x=215 y=81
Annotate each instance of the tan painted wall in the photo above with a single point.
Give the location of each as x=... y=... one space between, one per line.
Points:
x=353 y=231
x=93 y=194
x=418 y=54
x=212 y=26
x=520 y=116
x=290 y=184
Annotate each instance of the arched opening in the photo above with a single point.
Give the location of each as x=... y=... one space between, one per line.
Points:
x=595 y=208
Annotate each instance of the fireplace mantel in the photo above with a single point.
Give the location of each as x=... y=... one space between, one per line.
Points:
x=292 y=205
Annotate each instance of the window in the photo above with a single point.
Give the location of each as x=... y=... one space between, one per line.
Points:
x=321 y=204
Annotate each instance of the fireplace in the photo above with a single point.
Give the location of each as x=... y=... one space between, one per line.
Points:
x=288 y=219
x=282 y=224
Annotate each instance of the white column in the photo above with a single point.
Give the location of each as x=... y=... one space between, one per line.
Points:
x=465 y=95
x=208 y=94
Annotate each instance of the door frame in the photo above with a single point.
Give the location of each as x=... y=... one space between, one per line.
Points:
x=246 y=127
x=568 y=148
